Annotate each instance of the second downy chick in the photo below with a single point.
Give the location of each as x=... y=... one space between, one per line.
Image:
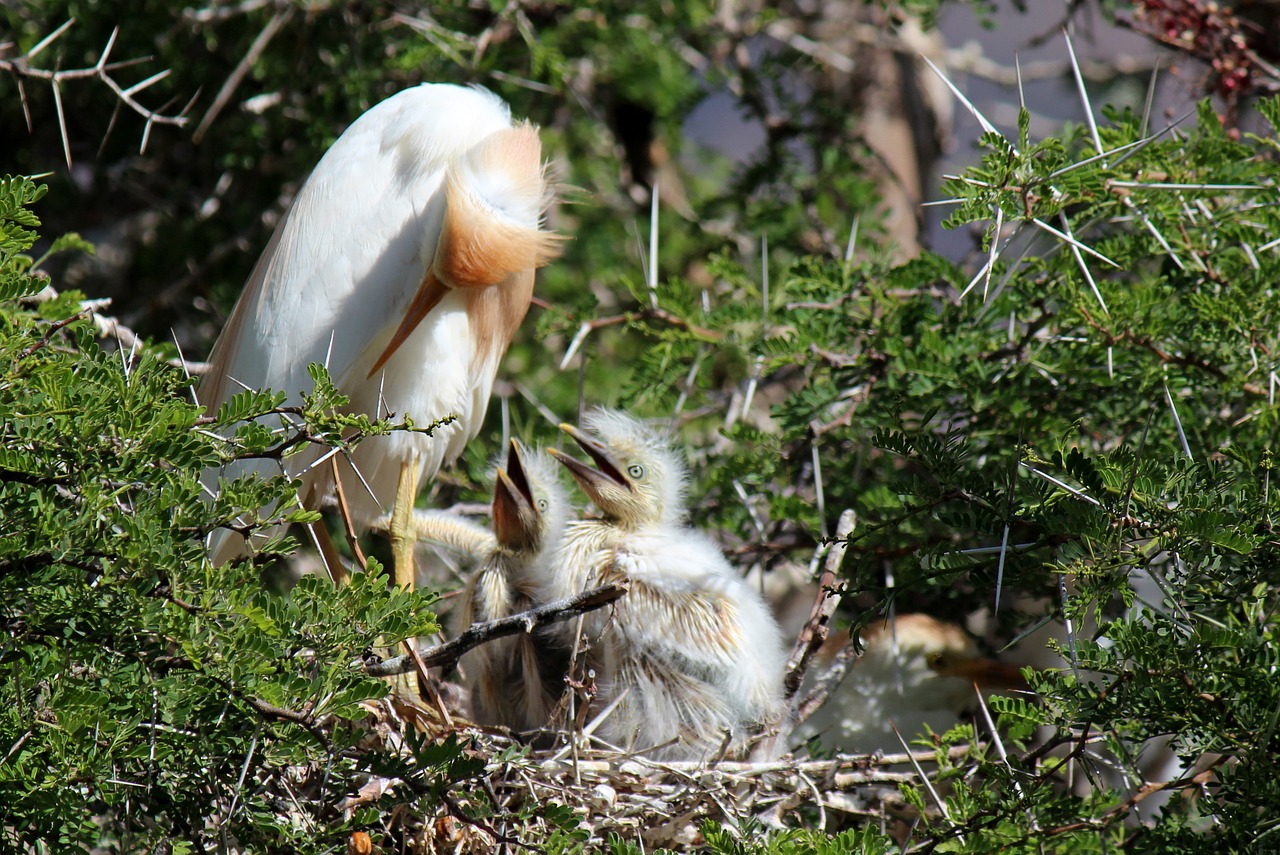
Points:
x=691 y=653
x=516 y=681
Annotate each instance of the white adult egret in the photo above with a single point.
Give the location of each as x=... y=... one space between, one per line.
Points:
x=405 y=265
x=691 y=653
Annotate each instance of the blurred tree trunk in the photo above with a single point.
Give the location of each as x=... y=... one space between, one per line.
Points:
x=869 y=58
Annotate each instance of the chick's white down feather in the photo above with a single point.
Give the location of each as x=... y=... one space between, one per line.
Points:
x=341 y=270
x=516 y=681
x=691 y=650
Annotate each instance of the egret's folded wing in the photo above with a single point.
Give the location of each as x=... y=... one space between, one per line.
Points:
x=345 y=261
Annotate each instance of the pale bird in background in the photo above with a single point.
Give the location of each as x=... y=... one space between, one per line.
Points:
x=691 y=654
x=516 y=681
x=405 y=265
x=914 y=672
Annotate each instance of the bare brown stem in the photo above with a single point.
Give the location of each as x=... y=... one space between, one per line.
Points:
x=447 y=655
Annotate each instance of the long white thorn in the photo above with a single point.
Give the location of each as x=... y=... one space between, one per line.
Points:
x=1079 y=494
x=1066 y=236
x=995 y=247
x=1017 y=69
x=689 y=380
x=49 y=39
x=1177 y=422
x=1084 y=94
x=982 y=272
x=1151 y=97
x=1004 y=549
x=942 y=806
x=977 y=114
x=1173 y=256
x=853 y=240
x=1088 y=160
x=1084 y=268
x=1066 y=622
x=817 y=486
x=578 y=338
x=1000 y=750
x=653 y=247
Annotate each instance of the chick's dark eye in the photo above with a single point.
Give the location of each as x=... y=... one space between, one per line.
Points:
x=934 y=660
x=635 y=470
x=542 y=504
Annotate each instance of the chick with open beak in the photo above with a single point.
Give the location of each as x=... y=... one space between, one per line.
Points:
x=691 y=655
x=516 y=681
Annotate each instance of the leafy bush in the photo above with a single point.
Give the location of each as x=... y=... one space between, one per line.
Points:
x=149 y=697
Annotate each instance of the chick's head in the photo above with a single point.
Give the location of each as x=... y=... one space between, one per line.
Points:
x=530 y=505
x=638 y=479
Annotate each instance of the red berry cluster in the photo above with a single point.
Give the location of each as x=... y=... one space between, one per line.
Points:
x=1210 y=32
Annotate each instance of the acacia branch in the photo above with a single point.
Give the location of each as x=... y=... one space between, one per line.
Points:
x=107 y=327
x=21 y=67
x=1194 y=779
x=447 y=655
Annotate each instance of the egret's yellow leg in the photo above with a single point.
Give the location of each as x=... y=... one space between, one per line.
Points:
x=402 y=539
x=402 y=544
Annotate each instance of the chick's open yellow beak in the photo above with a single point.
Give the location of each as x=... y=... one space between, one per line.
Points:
x=600 y=454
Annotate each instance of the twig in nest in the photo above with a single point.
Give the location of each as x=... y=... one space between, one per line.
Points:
x=826 y=684
x=447 y=655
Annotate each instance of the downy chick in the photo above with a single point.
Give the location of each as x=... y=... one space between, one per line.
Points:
x=692 y=651
x=516 y=681
x=927 y=678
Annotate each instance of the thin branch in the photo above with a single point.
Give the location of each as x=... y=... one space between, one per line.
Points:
x=816 y=629
x=21 y=67
x=233 y=81
x=108 y=327
x=447 y=655
x=827 y=683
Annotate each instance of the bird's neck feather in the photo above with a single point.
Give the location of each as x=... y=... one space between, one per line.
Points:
x=495 y=313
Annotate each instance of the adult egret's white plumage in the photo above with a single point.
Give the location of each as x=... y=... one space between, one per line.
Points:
x=918 y=671
x=405 y=265
x=691 y=653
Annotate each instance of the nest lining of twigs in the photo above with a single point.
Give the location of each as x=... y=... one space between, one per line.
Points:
x=609 y=792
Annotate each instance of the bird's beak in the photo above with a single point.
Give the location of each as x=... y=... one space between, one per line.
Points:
x=606 y=485
x=987 y=673
x=428 y=296
x=515 y=469
x=599 y=452
x=515 y=516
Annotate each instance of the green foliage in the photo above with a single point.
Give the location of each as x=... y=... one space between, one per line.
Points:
x=136 y=672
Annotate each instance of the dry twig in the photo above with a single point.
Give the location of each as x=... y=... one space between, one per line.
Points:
x=816 y=629
x=447 y=655
x=23 y=69
x=110 y=328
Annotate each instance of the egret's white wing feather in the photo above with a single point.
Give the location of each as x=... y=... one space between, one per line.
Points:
x=338 y=276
